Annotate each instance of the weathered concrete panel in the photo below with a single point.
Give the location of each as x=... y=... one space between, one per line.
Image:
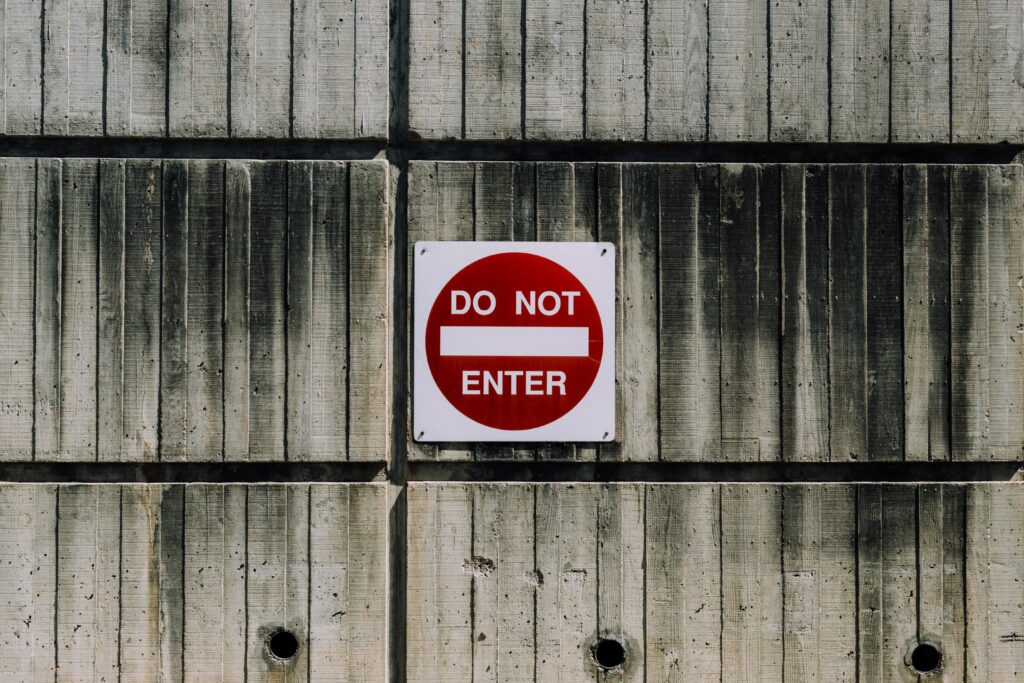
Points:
x=193 y=69
x=195 y=310
x=186 y=582
x=730 y=70
x=743 y=582
x=765 y=313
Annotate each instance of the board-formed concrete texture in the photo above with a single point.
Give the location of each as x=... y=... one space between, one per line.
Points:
x=194 y=310
x=186 y=68
x=706 y=582
x=149 y=583
x=777 y=312
x=728 y=70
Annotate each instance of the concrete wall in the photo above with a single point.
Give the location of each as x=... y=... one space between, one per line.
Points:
x=206 y=220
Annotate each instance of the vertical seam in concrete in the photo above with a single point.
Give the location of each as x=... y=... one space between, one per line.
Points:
x=245 y=577
x=103 y=82
x=782 y=580
x=35 y=308
x=585 y=52
x=167 y=71
x=462 y=134
x=889 y=139
x=538 y=578
x=856 y=583
x=828 y=62
x=647 y=79
x=120 y=572
x=721 y=586
x=768 y=65
x=348 y=312
x=707 y=71
x=522 y=69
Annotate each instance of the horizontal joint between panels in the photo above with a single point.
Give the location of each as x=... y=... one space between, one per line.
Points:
x=509 y=150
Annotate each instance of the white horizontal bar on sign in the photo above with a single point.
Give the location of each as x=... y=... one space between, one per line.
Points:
x=470 y=340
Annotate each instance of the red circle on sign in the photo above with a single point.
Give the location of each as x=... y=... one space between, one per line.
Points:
x=533 y=372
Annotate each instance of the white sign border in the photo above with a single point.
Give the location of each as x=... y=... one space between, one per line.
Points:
x=435 y=420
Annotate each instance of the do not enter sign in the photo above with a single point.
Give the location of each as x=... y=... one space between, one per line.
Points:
x=514 y=341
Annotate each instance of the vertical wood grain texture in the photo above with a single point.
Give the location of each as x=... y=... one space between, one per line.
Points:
x=987 y=80
x=197 y=69
x=237 y=289
x=1006 y=311
x=21 y=96
x=887 y=573
x=940 y=573
x=681 y=348
x=848 y=313
x=884 y=264
x=47 y=329
x=969 y=291
x=369 y=293
x=339 y=69
x=637 y=340
x=554 y=55
x=740 y=312
x=926 y=302
x=493 y=68
x=28 y=552
x=799 y=97
x=615 y=78
x=161 y=583
x=17 y=309
x=205 y=311
x=834 y=582
x=79 y=312
x=152 y=610
x=920 y=99
x=136 y=67
x=805 y=313
x=141 y=263
x=299 y=302
x=752 y=602
x=261 y=68
x=769 y=312
x=439 y=638
x=111 y=276
x=144 y=322
x=267 y=273
x=214 y=590
x=504 y=583
x=436 y=69
x=859 y=70
x=683 y=638
x=318 y=314
x=173 y=313
x=566 y=572
x=661 y=71
x=348 y=583
x=677 y=69
x=819 y=565
x=621 y=601
x=994 y=582
x=88 y=585
x=73 y=65
x=738 y=71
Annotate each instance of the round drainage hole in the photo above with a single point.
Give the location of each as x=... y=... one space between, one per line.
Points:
x=609 y=654
x=925 y=658
x=283 y=645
